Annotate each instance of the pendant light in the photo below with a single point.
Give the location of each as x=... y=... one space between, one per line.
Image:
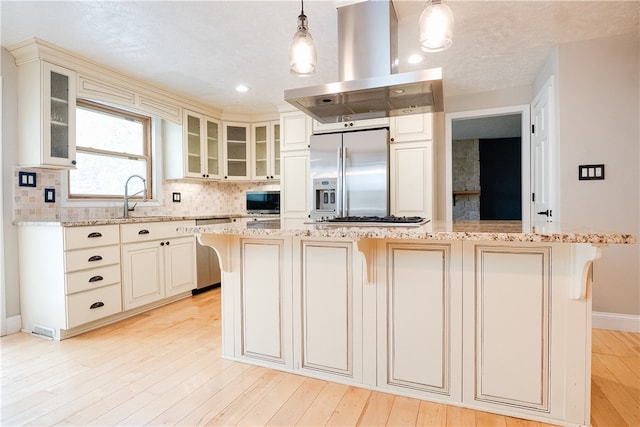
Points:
x=302 y=52
x=436 y=26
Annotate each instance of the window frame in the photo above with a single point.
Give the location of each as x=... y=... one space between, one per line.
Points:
x=147 y=149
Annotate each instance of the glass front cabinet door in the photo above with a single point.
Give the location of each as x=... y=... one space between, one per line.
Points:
x=202 y=146
x=266 y=151
x=46 y=115
x=236 y=151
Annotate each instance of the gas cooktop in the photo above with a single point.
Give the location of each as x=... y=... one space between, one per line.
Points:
x=372 y=221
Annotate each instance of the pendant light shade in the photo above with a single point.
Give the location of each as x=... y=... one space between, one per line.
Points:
x=436 y=27
x=302 y=52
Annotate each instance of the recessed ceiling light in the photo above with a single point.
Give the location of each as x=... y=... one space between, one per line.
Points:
x=242 y=88
x=415 y=59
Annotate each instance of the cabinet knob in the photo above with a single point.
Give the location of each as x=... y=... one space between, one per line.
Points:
x=168 y=243
x=393 y=139
x=161 y=243
x=73 y=162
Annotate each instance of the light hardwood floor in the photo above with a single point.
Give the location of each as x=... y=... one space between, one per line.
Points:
x=164 y=368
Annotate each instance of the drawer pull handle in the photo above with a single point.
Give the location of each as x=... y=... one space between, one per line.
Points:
x=94 y=234
x=95 y=258
x=96 y=305
x=143 y=232
x=96 y=279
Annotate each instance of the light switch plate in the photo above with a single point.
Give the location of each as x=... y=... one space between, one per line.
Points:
x=27 y=179
x=176 y=197
x=590 y=172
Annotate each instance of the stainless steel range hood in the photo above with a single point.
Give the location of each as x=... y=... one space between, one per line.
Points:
x=369 y=87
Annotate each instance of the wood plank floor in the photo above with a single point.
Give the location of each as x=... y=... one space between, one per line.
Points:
x=164 y=368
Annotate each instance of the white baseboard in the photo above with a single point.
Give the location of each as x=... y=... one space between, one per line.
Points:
x=615 y=321
x=14 y=324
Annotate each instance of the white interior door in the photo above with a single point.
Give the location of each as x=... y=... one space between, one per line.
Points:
x=543 y=171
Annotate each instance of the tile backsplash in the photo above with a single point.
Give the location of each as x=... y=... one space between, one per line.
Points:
x=196 y=199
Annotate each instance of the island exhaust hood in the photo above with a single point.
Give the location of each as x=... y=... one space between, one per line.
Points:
x=369 y=87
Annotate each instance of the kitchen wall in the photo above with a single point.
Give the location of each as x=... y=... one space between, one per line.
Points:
x=599 y=92
x=10 y=290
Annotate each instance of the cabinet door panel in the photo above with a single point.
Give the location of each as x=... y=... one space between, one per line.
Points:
x=327 y=308
x=418 y=317
x=142 y=274
x=295 y=184
x=262 y=327
x=511 y=358
x=411 y=179
x=180 y=268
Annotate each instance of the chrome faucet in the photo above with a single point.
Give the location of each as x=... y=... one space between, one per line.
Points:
x=126 y=194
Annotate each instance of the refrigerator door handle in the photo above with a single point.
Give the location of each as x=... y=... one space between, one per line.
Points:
x=343 y=182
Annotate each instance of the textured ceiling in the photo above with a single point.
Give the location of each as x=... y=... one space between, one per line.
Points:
x=204 y=49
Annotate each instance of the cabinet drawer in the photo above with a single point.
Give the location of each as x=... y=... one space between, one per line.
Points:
x=105 y=302
x=145 y=231
x=89 y=237
x=92 y=279
x=91 y=258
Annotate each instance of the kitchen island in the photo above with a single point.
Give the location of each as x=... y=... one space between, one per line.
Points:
x=494 y=316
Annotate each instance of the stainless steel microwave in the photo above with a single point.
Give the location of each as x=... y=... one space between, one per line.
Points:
x=263 y=202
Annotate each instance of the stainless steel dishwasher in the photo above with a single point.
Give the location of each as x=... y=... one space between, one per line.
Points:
x=208 y=266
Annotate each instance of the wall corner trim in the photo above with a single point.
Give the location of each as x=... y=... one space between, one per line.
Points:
x=616 y=322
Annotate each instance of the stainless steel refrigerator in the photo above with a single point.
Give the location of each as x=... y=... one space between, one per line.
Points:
x=350 y=174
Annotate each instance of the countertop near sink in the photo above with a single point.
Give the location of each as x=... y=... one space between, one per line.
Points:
x=133 y=220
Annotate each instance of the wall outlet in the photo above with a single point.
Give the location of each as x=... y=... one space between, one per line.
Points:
x=176 y=198
x=590 y=172
x=49 y=195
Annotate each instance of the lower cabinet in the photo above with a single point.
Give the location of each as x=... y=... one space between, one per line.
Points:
x=419 y=327
x=329 y=307
x=265 y=301
x=156 y=269
x=487 y=325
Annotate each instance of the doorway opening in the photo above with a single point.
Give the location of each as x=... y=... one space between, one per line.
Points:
x=487 y=157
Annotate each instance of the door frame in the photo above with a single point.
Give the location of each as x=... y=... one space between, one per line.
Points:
x=525 y=122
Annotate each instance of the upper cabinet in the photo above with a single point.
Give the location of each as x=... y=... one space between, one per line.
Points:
x=416 y=127
x=236 y=151
x=266 y=151
x=295 y=131
x=196 y=152
x=46 y=115
x=348 y=125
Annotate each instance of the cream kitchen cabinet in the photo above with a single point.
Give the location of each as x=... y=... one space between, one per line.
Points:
x=415 y=127
x=295 y=185
x=236 y=150
x=419 y=321
x=157 y=262
x=265 y=298
x=69 y=277
x=46 y=115
x=265 y=159
x=197 y=152
x=349 y=125
x=411 y=179
x=295 y=128
x=328 y=302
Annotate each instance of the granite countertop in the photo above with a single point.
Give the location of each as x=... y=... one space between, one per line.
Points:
x=134 y=220
x=504 y=231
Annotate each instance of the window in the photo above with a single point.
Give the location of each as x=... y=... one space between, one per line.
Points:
x=111 y=145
